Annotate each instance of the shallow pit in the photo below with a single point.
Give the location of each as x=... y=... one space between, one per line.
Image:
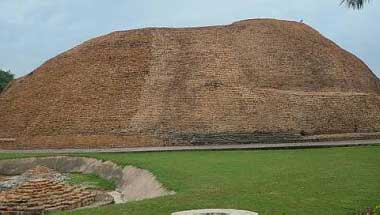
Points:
x=131 y=183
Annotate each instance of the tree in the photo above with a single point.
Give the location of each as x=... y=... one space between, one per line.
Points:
x=5 y=78
x=355 y=4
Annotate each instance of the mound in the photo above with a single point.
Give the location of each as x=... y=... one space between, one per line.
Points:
x=251 y=81
x=40 y=196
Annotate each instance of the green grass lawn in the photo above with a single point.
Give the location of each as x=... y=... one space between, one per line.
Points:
x=316 y=181
x=90 y=181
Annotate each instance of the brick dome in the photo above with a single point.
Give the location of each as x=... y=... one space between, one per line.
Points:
x=160 y=86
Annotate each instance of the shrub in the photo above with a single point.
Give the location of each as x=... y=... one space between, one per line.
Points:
x=5 y=78
x=377 y=209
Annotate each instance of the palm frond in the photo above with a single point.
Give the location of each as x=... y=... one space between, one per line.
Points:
x=355 y=4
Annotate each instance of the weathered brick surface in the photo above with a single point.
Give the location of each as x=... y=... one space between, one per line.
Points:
x=155 y=86
x=43 y=195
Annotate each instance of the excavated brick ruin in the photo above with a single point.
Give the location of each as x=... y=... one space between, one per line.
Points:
x=39 y=196
x=42 y=192
x=252 y=81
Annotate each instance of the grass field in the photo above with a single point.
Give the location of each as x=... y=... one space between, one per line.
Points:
x=316 y=181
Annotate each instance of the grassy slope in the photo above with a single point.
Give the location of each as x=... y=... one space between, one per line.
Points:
x=319 y=181
x=91 y=181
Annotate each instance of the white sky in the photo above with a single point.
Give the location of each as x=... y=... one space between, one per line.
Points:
x=33 y=31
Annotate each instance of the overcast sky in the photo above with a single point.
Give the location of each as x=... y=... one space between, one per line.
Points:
x=33 y=31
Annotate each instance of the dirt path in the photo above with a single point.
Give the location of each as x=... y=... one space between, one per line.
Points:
x=211 y=147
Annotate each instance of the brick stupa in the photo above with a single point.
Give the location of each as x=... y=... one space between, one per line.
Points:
x=254 y=80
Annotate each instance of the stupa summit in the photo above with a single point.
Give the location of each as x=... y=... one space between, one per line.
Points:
x=252 y=81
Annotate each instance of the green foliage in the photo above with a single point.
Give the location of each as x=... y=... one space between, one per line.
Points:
x=355 y=4
x=5 y=78
x=377 y=209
